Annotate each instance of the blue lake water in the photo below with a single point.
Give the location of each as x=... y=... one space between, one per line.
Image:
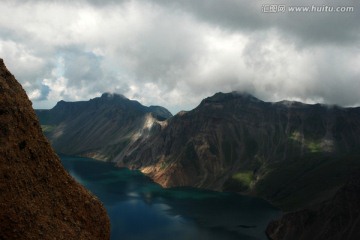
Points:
x=140 y=209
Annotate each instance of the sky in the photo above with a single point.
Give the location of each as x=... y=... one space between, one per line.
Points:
x=175 y=53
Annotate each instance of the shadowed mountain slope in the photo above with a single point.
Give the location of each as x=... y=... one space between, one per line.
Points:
x=38 y=198
x=284 y=151
x=296 y=155
x=335 y=219
x=237 y=142
x=99 y=128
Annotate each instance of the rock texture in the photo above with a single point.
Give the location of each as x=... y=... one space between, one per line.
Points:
x=336 y=219
x=99 y=128
x=38 y=198
x=290 y=153
x=235 y=135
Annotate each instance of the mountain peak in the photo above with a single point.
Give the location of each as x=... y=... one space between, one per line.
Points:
x=235 y=95
x=108 y=95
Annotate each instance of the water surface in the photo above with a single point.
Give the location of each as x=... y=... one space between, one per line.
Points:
x=140 y=209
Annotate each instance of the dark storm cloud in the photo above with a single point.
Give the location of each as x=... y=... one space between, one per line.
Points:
x=243 y=15
x=231 y=14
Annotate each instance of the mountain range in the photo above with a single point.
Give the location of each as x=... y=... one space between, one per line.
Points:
x=284 y=151
x=298 y=156
x=99 y=128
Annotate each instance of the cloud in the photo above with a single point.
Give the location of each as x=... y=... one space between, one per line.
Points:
x=174 y=53
x=310 y=28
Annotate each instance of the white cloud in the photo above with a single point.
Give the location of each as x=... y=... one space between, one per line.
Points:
x=176 y=53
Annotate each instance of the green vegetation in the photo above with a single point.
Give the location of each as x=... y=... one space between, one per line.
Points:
x=48 y=128
x=313 y=146
x=244 y=177
x=296 y=136
x=240 y=181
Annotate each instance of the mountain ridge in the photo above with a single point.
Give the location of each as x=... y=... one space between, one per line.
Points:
x=216 y=111
x=98 y=127
x=293 y=154
x=230 y=141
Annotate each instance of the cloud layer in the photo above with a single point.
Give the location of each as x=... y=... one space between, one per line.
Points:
x=174 y=53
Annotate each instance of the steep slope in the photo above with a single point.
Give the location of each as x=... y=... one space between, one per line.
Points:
x=290 y=153
x=234 y=141
x=335 y=219
x=99 y=128
x=38 y=198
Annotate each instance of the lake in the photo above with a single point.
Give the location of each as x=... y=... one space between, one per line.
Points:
x=140 y=209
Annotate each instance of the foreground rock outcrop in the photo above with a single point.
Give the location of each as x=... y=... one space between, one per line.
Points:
x=38 y=198
x=335 y=219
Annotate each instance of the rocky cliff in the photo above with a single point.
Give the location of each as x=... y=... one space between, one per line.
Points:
x=38 y=198
x=99 y=128
x=281 y=151
x=290 y=153
x=335 y=219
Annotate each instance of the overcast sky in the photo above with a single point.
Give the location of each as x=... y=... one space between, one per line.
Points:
x=175 y=53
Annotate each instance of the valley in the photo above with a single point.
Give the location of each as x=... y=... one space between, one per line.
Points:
x=141 y=209
x=297 y=156
x=301 y=158
x=290 y=153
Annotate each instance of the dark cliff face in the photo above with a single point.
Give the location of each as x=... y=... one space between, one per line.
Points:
x=233 y=140
x=335 y=219
x=290 y=153
x=38 y=198
x=99 y=128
